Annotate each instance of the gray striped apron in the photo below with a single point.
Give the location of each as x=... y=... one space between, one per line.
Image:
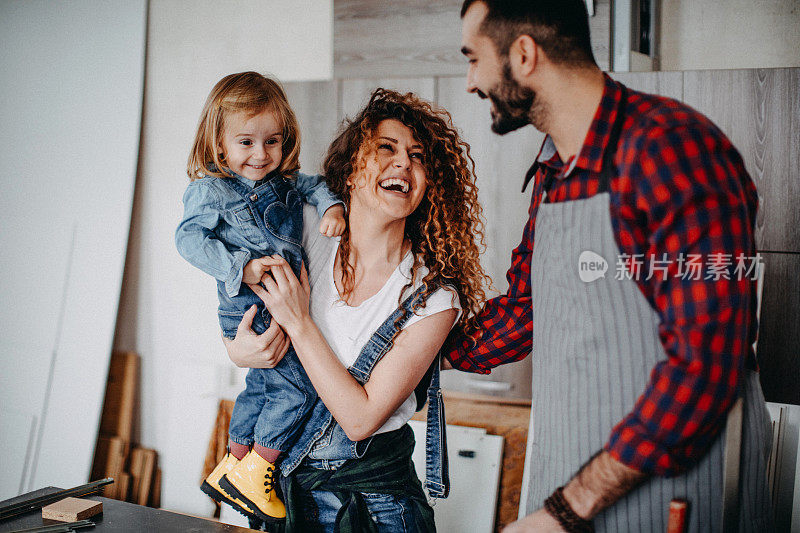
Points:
x=594 y=346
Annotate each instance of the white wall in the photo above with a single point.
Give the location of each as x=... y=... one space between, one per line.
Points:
x=729 y=34
x=70 y=102
x=168 y=308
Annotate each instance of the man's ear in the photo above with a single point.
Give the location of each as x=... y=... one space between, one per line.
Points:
x=523 y=56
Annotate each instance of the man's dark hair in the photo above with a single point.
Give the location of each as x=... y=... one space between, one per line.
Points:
x=560 y=27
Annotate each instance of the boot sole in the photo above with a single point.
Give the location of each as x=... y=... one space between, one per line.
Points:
x=234 y=492
x=218 y=496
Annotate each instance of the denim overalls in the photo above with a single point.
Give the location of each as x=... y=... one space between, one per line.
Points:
x=229 y=221
x=250 y=223
x=276 y=211
x=275 y=402
x=324 y=442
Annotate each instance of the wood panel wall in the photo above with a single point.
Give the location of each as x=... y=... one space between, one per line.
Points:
x=375 y=38
x=758 y=109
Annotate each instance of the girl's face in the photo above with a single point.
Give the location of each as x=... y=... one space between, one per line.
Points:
x=252 y=144
x=394 y=178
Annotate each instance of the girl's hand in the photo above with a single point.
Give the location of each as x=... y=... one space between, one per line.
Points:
x=249 y=350
x=332 y=223
x=286 y=298
x=255 y=269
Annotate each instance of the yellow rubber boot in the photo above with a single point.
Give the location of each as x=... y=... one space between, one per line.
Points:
x=253 y=482
x=211 y=486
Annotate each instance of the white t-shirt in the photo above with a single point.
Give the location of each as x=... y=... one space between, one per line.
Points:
x=348 y=328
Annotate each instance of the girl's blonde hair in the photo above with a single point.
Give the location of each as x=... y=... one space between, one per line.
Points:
x=245 y=92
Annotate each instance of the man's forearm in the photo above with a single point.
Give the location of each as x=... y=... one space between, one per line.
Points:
x=600 y=483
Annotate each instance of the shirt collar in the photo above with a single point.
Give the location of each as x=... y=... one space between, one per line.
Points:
x=250 y=184
x=590 y=156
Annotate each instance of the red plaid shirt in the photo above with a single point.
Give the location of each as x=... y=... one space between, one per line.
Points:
x=681 y=189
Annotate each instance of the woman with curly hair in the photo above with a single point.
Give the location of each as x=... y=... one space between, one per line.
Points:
x=368 y=321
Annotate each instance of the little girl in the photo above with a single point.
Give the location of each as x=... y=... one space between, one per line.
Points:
x=244 y=203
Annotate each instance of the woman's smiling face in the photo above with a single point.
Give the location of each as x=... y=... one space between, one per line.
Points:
x=395 y=174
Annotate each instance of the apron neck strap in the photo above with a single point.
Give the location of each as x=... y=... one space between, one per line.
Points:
x=607 y=168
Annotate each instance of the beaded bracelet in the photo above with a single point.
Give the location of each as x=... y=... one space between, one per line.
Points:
x=558 y=507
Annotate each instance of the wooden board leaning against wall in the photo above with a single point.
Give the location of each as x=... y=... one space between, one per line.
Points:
x=759 y=110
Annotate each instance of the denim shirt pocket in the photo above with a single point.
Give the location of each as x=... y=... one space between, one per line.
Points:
x=247 y=225
x=285 y=220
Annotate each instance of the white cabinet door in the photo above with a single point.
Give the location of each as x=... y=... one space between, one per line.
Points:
x=475 y=459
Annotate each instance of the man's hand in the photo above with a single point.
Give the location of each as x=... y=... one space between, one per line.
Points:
x=599 y=484
x=538 y=521
x=332 y=223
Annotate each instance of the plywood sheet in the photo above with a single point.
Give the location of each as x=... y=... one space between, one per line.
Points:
x=377 y=38
x=779 y=331
x=355 y=93
x=500 y=166
x=505 y=418
x=16 y=441
x=759 y=110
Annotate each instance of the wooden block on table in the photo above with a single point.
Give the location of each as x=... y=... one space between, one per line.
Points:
x=71 y=509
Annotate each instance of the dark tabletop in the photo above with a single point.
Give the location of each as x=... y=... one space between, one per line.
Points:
x=120 y=516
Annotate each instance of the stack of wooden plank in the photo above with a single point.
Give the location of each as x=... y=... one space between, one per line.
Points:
x=134 y=468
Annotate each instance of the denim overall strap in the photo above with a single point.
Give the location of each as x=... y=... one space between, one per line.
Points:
x=436 y=467
x=437 y=473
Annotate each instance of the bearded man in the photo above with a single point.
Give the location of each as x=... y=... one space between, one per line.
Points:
x=634 y=374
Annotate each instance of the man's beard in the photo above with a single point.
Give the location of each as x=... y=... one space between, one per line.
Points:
x=514 y=106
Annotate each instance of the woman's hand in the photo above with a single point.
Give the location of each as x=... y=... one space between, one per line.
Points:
x=285 y=296
x=250 y=350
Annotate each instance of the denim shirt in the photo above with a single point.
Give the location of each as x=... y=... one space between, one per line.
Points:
x=219 y=236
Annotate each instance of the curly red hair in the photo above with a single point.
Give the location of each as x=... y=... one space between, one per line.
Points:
x=446 y=230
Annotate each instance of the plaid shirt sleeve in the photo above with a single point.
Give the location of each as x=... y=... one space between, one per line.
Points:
x=505 y=323
x=689 y=193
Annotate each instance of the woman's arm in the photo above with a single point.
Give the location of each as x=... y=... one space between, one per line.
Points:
x=360 y=410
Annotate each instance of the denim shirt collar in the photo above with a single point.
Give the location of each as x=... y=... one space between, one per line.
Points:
x=253 y=184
